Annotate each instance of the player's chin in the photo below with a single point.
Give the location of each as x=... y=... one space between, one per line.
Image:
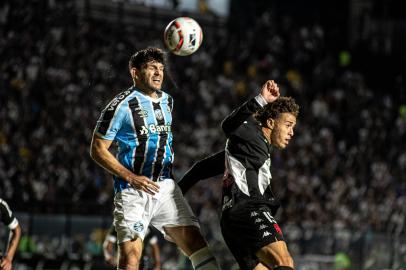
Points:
x=282 y=145
x=156 y=87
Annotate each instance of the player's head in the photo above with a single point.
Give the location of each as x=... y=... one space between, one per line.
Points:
x=278 y=120
x=147 y=69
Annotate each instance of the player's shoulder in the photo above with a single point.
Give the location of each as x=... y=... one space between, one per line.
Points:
x=119 y=99
x=165 y=94
x=4 y=206
x=167 y=97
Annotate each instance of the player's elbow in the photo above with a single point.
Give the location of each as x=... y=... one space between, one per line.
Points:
x=95 y=150
x=17 y=232
x=225 y=127
x=92 y=151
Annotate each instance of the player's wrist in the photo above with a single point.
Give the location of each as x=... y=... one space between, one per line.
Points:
x=261 y=100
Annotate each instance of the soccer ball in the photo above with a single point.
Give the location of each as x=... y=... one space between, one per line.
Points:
x=183 y=36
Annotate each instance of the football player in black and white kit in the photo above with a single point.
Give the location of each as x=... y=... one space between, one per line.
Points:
x=8 y=219
x=247 y=222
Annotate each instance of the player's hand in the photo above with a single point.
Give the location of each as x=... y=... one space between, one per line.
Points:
x=143 y=183
x=6 y=264
x=270 y=91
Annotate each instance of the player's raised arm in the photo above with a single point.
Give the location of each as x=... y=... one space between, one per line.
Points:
x=268 y=93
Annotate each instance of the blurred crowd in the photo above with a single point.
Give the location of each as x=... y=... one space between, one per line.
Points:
x=345 y=168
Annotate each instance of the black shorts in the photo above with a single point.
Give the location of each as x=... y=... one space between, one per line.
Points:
x=248 y=228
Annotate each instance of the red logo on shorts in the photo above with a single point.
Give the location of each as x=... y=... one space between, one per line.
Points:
x=277 y=228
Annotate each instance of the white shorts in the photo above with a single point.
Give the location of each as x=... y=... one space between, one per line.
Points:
x=135 y=210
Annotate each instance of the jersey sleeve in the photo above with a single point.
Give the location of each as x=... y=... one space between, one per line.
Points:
x=205 y=168
x=7 y=216
x=112 y=119
x=233 y=121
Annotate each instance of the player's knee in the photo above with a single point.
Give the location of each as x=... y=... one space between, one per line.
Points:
x=276 y=255
x=284 y=262
x=195 y=240
x=128 y=262
x=129 y=258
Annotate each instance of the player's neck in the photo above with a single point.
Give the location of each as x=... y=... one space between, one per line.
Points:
x=267 y=133
x=152 y=93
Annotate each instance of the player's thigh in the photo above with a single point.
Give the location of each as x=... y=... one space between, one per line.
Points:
x=188 y=238
x=130 y=252
x=175 y=219
x=275 y=254
x=132 y=209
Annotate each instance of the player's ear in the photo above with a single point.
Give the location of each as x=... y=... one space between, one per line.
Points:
x=134 y=73
x=270 y=123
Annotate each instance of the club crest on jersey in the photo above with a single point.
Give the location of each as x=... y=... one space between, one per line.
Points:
x=138 y=226
x=158 y=114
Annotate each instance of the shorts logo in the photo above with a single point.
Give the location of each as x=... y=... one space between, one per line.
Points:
x=138 y=226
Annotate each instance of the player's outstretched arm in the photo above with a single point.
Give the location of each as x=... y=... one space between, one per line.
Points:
x=99 y=151
x=205 y=168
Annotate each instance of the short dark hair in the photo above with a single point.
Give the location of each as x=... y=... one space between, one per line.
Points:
x=142 y=57
x=272 y=110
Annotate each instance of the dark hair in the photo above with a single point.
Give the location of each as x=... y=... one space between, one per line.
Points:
x=272 y=110
x=142 y=57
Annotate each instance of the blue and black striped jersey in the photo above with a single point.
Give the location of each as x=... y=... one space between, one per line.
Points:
x=141 y=126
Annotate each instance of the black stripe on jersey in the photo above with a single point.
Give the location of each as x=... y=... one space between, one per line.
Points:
x=163 y=137
x=6 y=216
x=142 y=137
x=109 y=111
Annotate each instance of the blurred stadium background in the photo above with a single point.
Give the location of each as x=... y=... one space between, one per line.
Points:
x=342 y=181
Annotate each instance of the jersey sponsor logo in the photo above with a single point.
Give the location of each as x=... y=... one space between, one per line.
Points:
x=113 y=104
x=155 y=129
x=158 y=114
x=138 y=226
